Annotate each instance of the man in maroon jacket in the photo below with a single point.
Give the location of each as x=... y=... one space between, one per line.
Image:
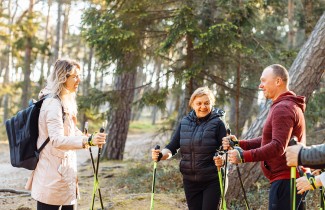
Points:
x=285 y=119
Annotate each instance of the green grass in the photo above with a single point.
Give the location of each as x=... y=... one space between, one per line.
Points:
x=138 y=178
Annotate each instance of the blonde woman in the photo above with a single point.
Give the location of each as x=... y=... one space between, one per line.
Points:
x=54 y=182
x=198 y=136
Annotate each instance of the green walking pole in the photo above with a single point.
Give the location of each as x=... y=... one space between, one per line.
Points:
x=293 y=190
x=235 y=145
x=154 y=179
x=95 y=171
x=96 y=182
x=223 y=200
x=93 y=165
x=322 y=204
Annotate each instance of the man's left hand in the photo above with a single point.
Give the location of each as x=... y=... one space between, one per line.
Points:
x=292 y=153
x=303 y=185
x=234 y=156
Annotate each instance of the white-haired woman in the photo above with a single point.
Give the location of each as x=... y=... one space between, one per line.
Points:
x=54 y=182
x=198 y=136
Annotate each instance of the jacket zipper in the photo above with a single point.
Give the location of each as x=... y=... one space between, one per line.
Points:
x=192 y=151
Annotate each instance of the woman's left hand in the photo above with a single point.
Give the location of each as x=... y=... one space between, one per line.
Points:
x=99 y=139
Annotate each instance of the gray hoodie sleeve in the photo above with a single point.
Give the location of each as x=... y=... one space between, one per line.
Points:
x=313 y=157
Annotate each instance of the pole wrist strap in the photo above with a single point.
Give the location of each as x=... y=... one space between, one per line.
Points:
x=311 y=179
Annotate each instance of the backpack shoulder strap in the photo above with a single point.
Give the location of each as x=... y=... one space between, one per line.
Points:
x=37 y=152
x=63 y=113
x=48 y=138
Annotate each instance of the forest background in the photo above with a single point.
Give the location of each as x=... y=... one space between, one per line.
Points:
x=141 y=60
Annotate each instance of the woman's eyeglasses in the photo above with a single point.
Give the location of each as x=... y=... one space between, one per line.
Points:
x=74 y=76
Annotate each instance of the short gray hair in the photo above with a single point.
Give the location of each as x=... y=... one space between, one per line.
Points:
x=200 y=92
x=280 y=71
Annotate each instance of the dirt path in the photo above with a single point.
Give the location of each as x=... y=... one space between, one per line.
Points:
x=137 y=147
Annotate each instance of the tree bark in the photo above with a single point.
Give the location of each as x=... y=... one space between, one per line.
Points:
x=238 y=85
x=27 y=62
x=65 y=22
x=305 y=73
x=8 y=69
x=57 y=52
x=86 y=84
x=308 y=13
x=157 y=87
x=190 y=86
x=291 y=32
x=42 y=79
x=121 y=112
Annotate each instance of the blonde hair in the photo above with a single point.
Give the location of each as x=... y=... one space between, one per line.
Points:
x=60 y=73
x=200 y=92
x=57 y=78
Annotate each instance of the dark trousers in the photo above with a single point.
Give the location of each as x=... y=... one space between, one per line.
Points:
x=43 y=206
x=279 y=197
x=202 y=195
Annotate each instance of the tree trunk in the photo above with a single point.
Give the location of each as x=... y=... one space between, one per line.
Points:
x=308 y=13
x=155 y=108
x=41 y=79
x=57 y=52
x=66 y=13
x=27 y=62
x=290 y=43
x=305 y=73
x=190 y=86
x=8 y=69
x=86 y=84
x=238 y=94
x=121 y=112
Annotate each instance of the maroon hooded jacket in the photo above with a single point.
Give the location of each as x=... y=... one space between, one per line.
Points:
x=285 y=119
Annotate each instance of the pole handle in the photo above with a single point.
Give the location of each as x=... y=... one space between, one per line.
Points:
x=86 y=128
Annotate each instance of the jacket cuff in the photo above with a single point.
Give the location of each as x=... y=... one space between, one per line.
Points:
x=299 y=157
x=248 y=156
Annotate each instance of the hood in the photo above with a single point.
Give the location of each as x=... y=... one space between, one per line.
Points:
x=291 y=96
x=45 y=91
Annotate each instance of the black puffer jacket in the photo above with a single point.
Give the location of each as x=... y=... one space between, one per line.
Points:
x=198 y=140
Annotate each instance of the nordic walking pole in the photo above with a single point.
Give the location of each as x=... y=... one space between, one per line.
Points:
x=92 y=163
x=293 y=141
x=95 y=171
x=232 y=144
x=242 y=186
x=90 y=152
x=322 y=206
x=226 y=161
x=223 y=200
x=154 y=178
x=101 y=130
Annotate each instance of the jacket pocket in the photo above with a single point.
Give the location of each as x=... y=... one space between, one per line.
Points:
x=61 y=157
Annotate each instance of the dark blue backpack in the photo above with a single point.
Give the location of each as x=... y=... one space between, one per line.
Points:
x=22 y=132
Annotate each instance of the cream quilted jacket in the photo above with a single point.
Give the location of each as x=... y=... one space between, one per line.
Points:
x=54 y=181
